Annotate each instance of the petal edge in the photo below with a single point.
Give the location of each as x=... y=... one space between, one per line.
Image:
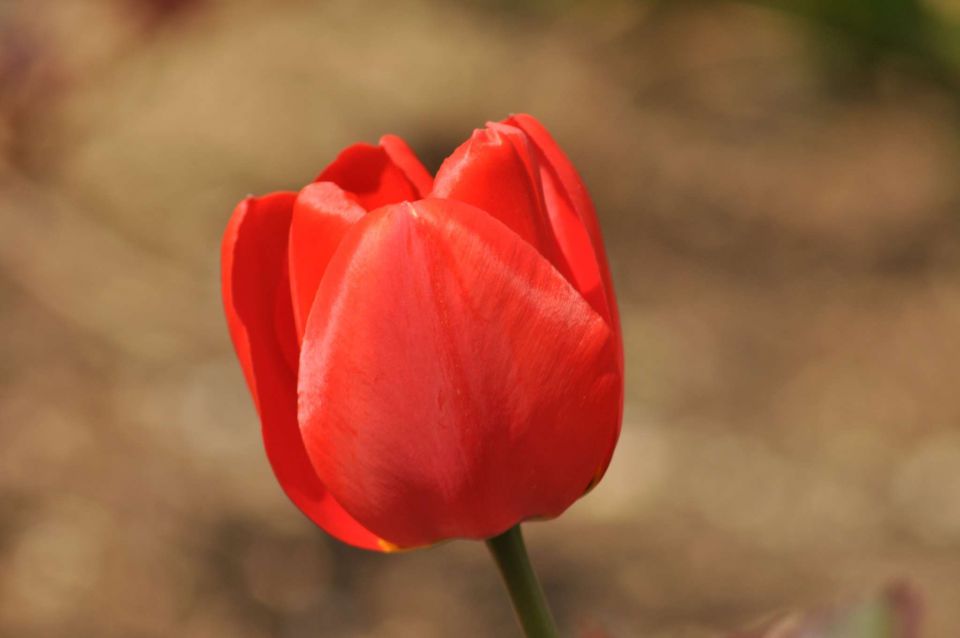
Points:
x=253 y=258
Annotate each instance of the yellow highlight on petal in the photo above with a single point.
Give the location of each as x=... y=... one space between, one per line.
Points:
x=387 y=546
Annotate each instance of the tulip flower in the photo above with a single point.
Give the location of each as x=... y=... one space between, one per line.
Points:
x=431 y=357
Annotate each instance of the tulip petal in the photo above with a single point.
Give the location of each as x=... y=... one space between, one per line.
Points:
x=497 y=170
x=564 y=190
x=452 y=382
x=406 y=160
x=370 y=176
x=322 y=214
x=253 y=262
x=487 y=171
x=575 y=223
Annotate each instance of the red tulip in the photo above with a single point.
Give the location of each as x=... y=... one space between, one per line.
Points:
x=431 y=358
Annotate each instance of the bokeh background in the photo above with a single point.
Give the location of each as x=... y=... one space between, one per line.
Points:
x=778 y=186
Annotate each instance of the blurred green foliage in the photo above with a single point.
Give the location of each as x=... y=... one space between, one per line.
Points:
x=873 y=619
x=894 y=613
x=853 y=39
x=856 y=37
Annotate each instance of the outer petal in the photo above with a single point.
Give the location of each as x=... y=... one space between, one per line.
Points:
x=371 y=176
x=253 y=261
x=321 y=216
x=572 y=214
x=452 y=383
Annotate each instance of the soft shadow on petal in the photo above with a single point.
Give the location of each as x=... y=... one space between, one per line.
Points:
x=253 y=262
x=452 y=382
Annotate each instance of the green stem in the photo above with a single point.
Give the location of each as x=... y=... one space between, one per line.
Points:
x=525 y=592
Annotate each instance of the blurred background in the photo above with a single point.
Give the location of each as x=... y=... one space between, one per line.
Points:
x=778 y=186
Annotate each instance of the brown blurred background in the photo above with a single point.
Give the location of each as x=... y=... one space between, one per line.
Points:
x=779 y=192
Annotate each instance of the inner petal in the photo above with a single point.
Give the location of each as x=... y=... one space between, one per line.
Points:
x=371 y=178
x=322 y=214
